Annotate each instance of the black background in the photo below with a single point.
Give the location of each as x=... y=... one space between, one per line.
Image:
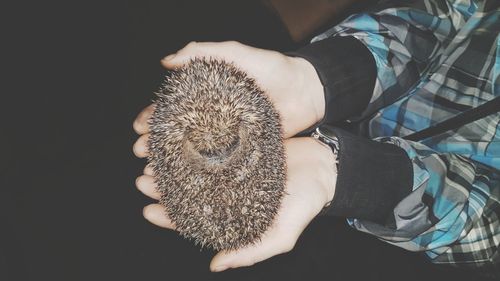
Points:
x=74 y=77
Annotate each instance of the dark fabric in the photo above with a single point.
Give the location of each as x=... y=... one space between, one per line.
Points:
x=372 y=177
x=460 y=120
x=347 y=71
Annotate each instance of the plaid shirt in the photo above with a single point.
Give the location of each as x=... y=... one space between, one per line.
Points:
x=436 y=59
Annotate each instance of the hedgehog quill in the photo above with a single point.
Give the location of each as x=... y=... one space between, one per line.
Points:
x=216 y=149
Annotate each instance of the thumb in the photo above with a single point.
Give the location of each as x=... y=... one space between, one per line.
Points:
x=248 y=255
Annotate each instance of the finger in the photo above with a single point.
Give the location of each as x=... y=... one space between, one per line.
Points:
x=247 y=256
x=148 y=170
x=228 y=50
x=141 y=125
x=141 y=146
x=155 y=214
x=146 y=184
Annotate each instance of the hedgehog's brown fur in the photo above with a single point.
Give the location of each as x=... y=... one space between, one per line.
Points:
x=216 y=148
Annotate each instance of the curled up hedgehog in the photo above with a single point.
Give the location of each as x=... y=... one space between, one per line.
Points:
x=216 y=149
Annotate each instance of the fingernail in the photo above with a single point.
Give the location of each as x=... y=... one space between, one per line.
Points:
x=169 y=57
x=220 y=268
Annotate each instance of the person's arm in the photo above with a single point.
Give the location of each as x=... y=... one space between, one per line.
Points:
x=419 y=199
x=403 y=192
x=371 y=59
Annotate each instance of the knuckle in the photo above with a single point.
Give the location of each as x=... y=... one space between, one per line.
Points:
x=233 y=43
x=140 y=147
x=143 y=115
x=251 y=261
x=286 y=249
x=191 y=45
x=135 y=147
x=146 y=212
x=137 y=126
x=287 y=246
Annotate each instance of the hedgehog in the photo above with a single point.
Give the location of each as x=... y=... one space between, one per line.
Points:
x=217 y=154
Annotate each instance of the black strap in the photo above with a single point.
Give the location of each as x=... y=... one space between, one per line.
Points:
x=460 y=120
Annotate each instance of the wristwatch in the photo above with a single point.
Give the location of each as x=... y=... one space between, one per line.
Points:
x=333 y=143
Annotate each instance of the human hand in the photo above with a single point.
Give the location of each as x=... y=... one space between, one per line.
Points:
x=295 y=90
x=311 y=177
x=291 y=83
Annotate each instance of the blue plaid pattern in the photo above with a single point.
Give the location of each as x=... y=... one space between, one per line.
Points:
x=436 y=59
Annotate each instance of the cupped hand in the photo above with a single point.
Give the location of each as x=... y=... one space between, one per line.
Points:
x=311 y=177
x=291 y=83
x=295 y=90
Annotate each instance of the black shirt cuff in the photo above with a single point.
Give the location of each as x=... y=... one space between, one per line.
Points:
x=372 y=177
x=347 y=71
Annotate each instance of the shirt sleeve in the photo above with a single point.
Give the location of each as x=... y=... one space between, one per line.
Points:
x=448 y=209
x=440 y=203
x=401 y=42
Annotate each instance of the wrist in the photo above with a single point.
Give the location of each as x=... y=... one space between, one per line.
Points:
x=326 y=170
x=310 y=91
